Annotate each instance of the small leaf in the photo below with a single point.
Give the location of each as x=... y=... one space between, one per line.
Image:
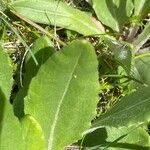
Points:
x=130 y=110
x=113 y=13
x=57 y=13
x=63 y=95
x=142 y=65
x=111 y=138
x=42 y=50
x=123 y=55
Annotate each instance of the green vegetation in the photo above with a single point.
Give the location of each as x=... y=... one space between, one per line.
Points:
x=74 y=75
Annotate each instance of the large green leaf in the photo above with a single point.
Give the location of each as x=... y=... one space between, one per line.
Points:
x=130 y=110
x=42 y=50
x=111 y=138
x=59 y=14
x=63 y=95
x=141 y=8
x=11 y=136
x=113 y=13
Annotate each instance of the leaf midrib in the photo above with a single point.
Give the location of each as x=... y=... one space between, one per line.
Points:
x=50 y=139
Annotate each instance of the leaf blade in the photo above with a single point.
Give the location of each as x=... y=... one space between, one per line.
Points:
x=142 y=66
x=64 y=95
x=59 y=14
x=7 y=124
x=11 y=136
x=130 y=110
x=109 y=11
x=117 y=138
x=141 y=9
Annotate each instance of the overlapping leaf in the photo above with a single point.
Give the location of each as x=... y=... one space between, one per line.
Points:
x=111 y=138
x=32 y=134
x=130 y=110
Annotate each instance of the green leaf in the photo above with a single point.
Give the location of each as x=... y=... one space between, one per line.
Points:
x=143 y=37
x=25 y=136
x=42 y=50
x=142 y=65
x=63 y=95
x=10 y=129
x=6 y=73
x=32 y=134
x=111 y=138
x=141 y=8
x=113 y=13
x=7 y=121
x=57 y=13
x=123 y=55
x=2 y=7
x=11 y=136
x=130 y=110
